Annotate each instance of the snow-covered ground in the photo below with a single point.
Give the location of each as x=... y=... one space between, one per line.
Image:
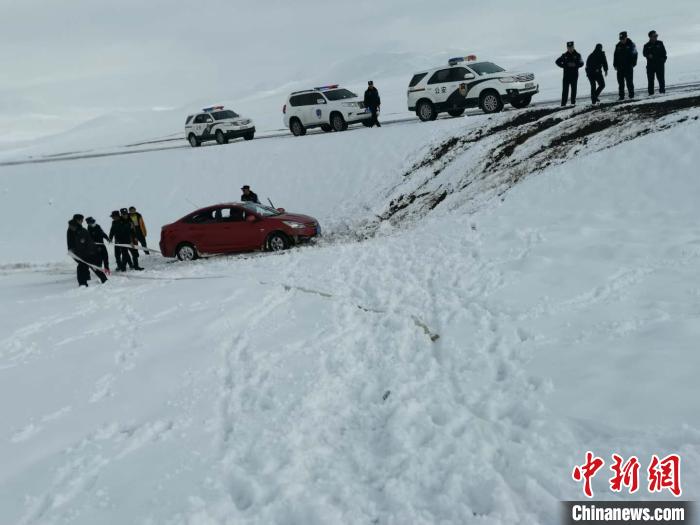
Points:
x=449 y=369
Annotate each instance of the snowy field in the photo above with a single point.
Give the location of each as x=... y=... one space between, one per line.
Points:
x=448 y=362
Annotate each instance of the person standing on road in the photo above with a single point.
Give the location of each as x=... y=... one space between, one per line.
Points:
x=80 y=245
x=98 y=236
x=596 y=63
x=249 y=195
x=624 y=62
x=139 y=227
x=570 y=62
x=655 y=53
x=124 y=213
x=120 y=232
x=372 y=101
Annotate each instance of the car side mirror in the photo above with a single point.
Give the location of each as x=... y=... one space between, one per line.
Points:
x=320 y=101
x=281 y=210
x=469 y=76
x=250 y=218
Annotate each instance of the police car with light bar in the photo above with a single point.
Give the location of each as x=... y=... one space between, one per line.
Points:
x=330 y=108
x=468 y=83
x=219 y=124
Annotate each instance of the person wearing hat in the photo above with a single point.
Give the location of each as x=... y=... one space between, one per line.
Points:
x=624 y=62
x=655 y=53
x=139 y=227
x=596 y=63
x=570 y=62
x=372 y=101
x=98 y=236
x=249 y=195
x=120 y=232
x=124 y=213
x=81 y=246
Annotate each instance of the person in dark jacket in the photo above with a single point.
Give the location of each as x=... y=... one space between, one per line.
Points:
x=81 y=246
x=372 y=101
x=98 y=237
x=570 y=62
x=624 y=62
x=596 y=63
x=248 y=195
x=655 y=53
x=120 y=232
x=139 y=227
x=124 y=213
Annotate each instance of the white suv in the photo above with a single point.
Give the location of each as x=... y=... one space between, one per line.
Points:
x=217 y=123
x=331 y=108
x=466 y=83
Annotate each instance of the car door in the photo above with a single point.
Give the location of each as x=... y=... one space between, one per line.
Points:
x=318 y=112
x=198 y=231
x=199 y=124
x=242 y=234
x=438 y=86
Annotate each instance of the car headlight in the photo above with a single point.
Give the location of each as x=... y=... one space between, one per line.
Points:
x=508 y=80
x=295 y=225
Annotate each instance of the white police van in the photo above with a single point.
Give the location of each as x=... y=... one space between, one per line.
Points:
x=330 y=108
x=217 y=123
x=468 y=83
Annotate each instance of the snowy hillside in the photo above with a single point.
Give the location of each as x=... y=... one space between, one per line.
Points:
x=452 y=367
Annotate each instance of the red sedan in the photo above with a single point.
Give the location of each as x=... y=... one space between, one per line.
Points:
x=235 y=227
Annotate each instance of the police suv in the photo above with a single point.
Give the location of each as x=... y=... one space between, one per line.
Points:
x=330 y=108
x=468 y=83
x=217 y=123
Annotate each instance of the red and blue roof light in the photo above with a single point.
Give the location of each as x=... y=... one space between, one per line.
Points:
x=213 y=108
x=323 y=88
x=457 y=60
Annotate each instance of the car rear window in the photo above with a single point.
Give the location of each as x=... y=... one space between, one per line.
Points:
x=416 y=78
x=189 y=119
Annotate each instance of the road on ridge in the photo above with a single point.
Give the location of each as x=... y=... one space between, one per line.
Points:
x=181 y=143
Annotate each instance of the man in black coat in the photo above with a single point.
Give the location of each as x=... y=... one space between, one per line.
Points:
x=98 y=237
x=655 y=53
x=570 y=62
x=249 y=195
x=120 y=232
x=372 y=101
x=80 y=245
x=596 y=63
x=624 y=62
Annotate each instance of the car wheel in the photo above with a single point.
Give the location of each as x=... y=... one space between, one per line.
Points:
x=426 y=111
x=338 y=122
x=194 y=141
x=520 y=103
x=277 y=242
x=456 y=112
x=297 y=128
x=186 y=252
x=491 y=102
x=326 y=127
x=248 y=136
x=220 y=137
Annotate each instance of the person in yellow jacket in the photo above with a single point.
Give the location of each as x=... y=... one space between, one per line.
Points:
x=139 y=227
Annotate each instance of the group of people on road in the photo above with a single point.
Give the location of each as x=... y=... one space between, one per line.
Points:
x=624 y=62
x=88 y=249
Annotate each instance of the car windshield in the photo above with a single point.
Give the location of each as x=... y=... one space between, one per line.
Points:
x=227 y=113
x=485 y=68
x=260 y=209
x=339 y=94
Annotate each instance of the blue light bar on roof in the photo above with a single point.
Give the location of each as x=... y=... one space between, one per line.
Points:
x=213 y=108
x=332 y=86
x=457 y=60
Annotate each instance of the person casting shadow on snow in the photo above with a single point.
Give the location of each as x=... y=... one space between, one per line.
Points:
x=624 y=62
x=596 y=63
x=655 y=53
x=372 y=101
x=570 y=62
x=80 y=245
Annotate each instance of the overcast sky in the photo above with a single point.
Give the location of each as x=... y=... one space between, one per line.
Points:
x=64 y=62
